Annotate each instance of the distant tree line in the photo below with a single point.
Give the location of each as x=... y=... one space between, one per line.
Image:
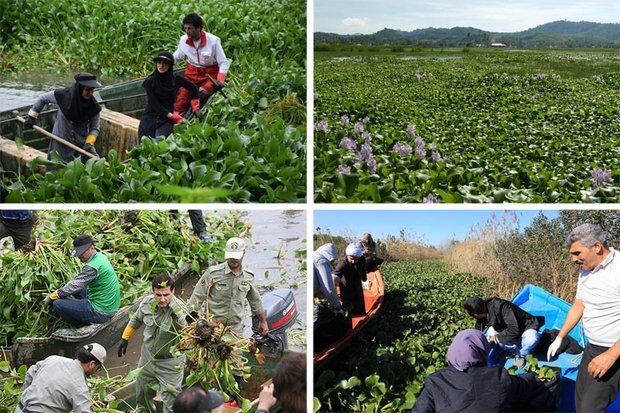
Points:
x=561 y=34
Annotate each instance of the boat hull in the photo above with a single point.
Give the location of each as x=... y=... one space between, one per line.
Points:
x=373 y=299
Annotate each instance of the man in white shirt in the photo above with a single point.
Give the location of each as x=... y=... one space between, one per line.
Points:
x=207 y=64
x=598 y=302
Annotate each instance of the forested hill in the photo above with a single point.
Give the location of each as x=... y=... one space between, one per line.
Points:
x=555 y=34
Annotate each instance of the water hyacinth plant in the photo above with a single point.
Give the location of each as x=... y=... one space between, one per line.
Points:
x=249 y=150
x=601 y=177
x=362 y=156
x=138 y=245
x=384 y=370
x=502 y=126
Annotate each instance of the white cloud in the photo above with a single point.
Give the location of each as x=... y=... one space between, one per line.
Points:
x=354 y=22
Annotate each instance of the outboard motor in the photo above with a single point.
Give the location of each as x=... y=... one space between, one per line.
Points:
x=281 y=313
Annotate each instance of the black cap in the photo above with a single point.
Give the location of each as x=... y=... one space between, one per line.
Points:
x=80 y=244
x=164 y=56
x=212 y=401
x=87 y=79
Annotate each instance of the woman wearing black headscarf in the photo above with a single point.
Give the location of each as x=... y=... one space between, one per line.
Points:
x=77 y=121
x=161 y=91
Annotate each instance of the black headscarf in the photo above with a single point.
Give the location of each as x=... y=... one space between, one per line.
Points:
x=73 y=105
x=162 y=83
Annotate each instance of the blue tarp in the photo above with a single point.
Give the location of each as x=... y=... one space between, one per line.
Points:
x=539 y=302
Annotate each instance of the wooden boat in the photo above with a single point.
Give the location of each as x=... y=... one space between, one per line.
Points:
x=66 y=342
x=122 y=103
x=539 y=302
x=373 y=298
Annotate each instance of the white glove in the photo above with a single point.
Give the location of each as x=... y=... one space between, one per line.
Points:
x=553 y=348
x=366 y=285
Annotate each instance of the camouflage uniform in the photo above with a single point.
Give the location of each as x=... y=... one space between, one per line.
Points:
x=161 y=326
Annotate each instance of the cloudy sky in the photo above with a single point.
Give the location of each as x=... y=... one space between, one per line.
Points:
x=370 y=16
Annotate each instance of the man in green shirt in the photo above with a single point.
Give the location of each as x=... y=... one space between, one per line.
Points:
x=163 y=317
x=223 y=289
x=94 y=295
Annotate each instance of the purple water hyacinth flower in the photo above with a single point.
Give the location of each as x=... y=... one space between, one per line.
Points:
x=348 y=144
x=402 y=149
x=366 y=120
x=430 y=199
x=435 y=156
x=367 y=137
x=419 y=147
x=432 y=146
x=411 y=130
x=600 y=177
x=321 y=126
x=365 y=153
x=359 y=127
x=344 y=169
x=372 y=164
x=344 y=120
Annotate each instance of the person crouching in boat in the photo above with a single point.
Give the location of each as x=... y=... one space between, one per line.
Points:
x=77 y=121
x=511 y=328
x=161 y=88
x=351 y=271
x=94 y=295
x=469 y=385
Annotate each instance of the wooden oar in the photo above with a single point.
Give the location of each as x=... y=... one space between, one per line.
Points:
x=61 y=140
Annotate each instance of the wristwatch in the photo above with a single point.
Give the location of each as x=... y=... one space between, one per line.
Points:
x=261 y=411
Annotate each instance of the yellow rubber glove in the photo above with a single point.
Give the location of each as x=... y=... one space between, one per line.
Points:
x=54 y=295
x=90 y=139
x=129 y=330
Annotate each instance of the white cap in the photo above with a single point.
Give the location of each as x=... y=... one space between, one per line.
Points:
x=234 y=248
x=97 y=350
x=353 y=250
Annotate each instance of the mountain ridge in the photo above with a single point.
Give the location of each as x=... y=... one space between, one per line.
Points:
x=559 y=33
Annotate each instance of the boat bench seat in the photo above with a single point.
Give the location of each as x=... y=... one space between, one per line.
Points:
x=83 y=333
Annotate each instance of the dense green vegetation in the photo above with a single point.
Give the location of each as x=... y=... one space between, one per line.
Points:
x=222 y=158
x=469 y=127
x=550 y=35
x=384 y=368
x=250 y=151
x=138 y=246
